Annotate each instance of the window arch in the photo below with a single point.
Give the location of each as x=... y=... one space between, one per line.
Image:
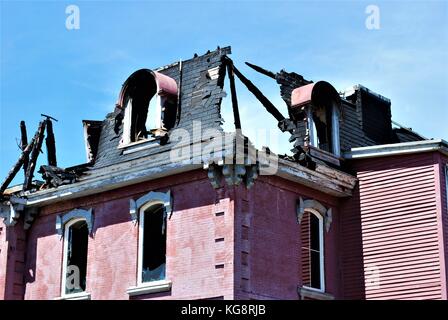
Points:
x=148 y=101
x=312 y=250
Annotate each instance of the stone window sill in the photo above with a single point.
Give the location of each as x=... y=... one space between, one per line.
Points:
x=150 y=287
x=315 y=294
x=75 y=296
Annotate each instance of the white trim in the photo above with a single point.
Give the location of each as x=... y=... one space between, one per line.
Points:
x=126 y=137
x=335 y=141
x=123 y=174
x=141 y=225
x=135 y=143
x=397 y=149
x=321 y=249
x=75 y=296
x=64 y=259
x=150 y=287
x=307 y=292
x=86 y=144
x=312 y=129
x=136 y=147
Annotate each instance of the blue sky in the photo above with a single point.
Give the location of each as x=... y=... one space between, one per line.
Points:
x=77 y=74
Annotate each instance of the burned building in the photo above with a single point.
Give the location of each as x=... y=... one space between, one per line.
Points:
x=170 y=206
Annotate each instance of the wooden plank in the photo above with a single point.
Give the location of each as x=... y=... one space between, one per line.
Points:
x=24 y=144
x=236 y=113
x=39 y=137
x=12 y=173
x=259 y=95
x=50 y=144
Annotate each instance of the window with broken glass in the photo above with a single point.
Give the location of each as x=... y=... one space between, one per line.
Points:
x=152 y=251
x=311 y=230
x=147 y=113
x=324 y=128
x=75 y=258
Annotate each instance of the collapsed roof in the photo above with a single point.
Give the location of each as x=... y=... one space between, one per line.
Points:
x=190 y=92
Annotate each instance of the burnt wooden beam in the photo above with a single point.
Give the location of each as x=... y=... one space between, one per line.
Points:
x=259 y=95
x=236 y=112
x=50 y=144
x=39 y=137
x=24 y=144
x=12 y=173
x=261 y=70
x=48 y=117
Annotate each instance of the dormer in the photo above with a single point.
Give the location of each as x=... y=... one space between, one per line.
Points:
x=148 y=101
x=316 y=106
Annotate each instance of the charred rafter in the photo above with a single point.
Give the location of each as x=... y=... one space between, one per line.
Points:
x=269 y=106
x=12 y=173
x=39 y=137
x=236 y=113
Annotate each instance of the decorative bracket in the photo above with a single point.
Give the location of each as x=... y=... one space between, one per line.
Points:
x=234 y=174
x=11 y=210
x=302 y=205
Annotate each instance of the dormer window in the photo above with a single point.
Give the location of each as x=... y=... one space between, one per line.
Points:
x=149 y=101
x=318 y=105
x=323 y=126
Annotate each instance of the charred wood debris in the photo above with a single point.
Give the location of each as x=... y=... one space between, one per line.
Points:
x=52 y=175
x=55 y=176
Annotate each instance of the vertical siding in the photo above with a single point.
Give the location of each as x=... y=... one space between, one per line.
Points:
x=399 y=222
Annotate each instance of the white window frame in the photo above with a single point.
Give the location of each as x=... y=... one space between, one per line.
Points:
x=141 y=230
x=156 y=101
x=77 y=295
x=137 y=210
x=321 y=250
x=335 y=139
x=335 y=130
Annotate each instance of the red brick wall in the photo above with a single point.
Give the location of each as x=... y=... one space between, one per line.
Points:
x=192 y=252
x=267 y=249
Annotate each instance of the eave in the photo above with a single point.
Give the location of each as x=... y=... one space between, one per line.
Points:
x=395 y=149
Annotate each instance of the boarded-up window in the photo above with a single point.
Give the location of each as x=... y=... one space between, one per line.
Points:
x=311 y=230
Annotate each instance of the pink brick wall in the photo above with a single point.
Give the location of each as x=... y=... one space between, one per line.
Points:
x=192 y=252
x=3 y=258
x=12 y=261
x=267 y=250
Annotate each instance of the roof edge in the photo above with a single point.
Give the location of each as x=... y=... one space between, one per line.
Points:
x=394 y=149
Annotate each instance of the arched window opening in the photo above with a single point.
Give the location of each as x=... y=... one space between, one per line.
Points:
x=321 y=104
x=149 y=101
x=322 y=123
x=76 y=238
x=312 y=256
x=152 y=263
